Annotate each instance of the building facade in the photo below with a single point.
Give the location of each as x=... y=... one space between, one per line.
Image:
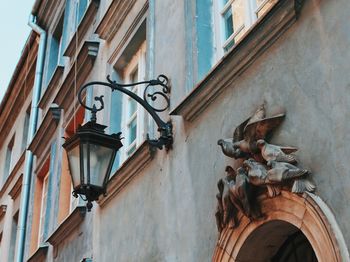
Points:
x=224 y=59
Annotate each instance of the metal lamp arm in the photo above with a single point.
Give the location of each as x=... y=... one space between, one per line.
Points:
x=165 y=128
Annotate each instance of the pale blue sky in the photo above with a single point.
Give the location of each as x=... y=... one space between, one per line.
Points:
x=14 y=32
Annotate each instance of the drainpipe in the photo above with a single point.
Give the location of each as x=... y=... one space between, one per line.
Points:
x=32 y=129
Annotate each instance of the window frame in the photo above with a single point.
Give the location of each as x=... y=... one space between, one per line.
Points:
x=137 y=62
x=250 y=16
x=43 y=203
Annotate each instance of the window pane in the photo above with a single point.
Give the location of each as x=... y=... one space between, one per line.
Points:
x=132 y=107
x=228 y=23
x=132 y=130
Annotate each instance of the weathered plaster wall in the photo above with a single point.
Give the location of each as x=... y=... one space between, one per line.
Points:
x=167 y=212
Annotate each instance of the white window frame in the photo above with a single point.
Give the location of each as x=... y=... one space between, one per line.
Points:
x=250 y=17
x=138 y=62
x=44 y=194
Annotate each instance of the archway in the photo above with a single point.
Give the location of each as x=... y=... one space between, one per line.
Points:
x=286 y=216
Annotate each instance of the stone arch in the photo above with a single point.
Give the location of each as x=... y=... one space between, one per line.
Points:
x=306 y=212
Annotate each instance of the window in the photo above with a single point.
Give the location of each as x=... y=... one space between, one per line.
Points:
x=233 y=18
x=55 y=51
x=45 y=186
x=41 y=191
x=8 y=158
x=13 y=237
x=25 y=129
x=133 y=118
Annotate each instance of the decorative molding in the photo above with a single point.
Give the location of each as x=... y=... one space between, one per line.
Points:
x=13 y=174
x=47 y=12
x=68 y=225
x=113 y=18
x=39 y=255
x=124 y=175
x=82 y=27
x=307 y=212
x=2 y=211
x=85 y=60
x=16 y=189
x=44 y=134
x=132 y=30
x=258 y=39
x=51 y=87
x=266 y=168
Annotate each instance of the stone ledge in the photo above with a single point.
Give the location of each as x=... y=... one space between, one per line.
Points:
x=13 y=173
x=252 y=45
x=113 y=18
x=54 y=82
x=67 y=226
x=129 y=169
x=82 y=27
x=44 y=134
x=39 y=255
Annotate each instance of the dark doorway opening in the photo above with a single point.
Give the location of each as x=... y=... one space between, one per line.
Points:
x=277 y=241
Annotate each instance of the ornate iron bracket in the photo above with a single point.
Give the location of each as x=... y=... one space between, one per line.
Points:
x=164 y=128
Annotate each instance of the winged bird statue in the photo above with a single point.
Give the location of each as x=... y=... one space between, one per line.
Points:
x=271 y=168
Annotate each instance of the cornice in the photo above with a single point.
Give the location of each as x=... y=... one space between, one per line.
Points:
x=84 y=63
x=13 y=174
x=16 y=189
x=82 y=28
x=47 y=11
x=130 y=168
x=258 y=39
x=44 y=134
x=113 y=18
x=3 y=209
x=39 y=255
x=67 y=226
x=51 y=87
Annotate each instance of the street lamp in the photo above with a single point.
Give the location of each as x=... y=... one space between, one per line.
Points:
x=91 y=152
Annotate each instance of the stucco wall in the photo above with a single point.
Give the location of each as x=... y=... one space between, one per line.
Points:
x=167 y=212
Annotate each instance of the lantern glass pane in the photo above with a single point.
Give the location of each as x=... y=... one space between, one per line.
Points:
x=74 y=165
x=100 y=158
x=85 y=163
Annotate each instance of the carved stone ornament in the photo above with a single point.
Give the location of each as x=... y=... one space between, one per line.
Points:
x=265 y=169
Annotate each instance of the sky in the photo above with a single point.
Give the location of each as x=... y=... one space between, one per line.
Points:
x=14 y=32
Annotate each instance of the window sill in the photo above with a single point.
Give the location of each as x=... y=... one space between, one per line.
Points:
x=39 y=255
x=113 y=18
x=252 y=45
x=82 y=27
x=67 y=226
x=129 y=169
x=54 y=82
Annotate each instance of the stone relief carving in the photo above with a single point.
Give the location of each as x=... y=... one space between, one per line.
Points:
x=266 y=168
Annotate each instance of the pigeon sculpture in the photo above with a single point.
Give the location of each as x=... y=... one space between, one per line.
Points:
x=276 y=153
x=282 y=171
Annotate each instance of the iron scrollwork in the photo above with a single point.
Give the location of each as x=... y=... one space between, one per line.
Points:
x=164 y=128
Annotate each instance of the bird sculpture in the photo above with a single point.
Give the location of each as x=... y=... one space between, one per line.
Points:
x=229 y=211
x=282 y=171
x=257 y=173
x=245 y=136
x=276 y=153
x=243 y=195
